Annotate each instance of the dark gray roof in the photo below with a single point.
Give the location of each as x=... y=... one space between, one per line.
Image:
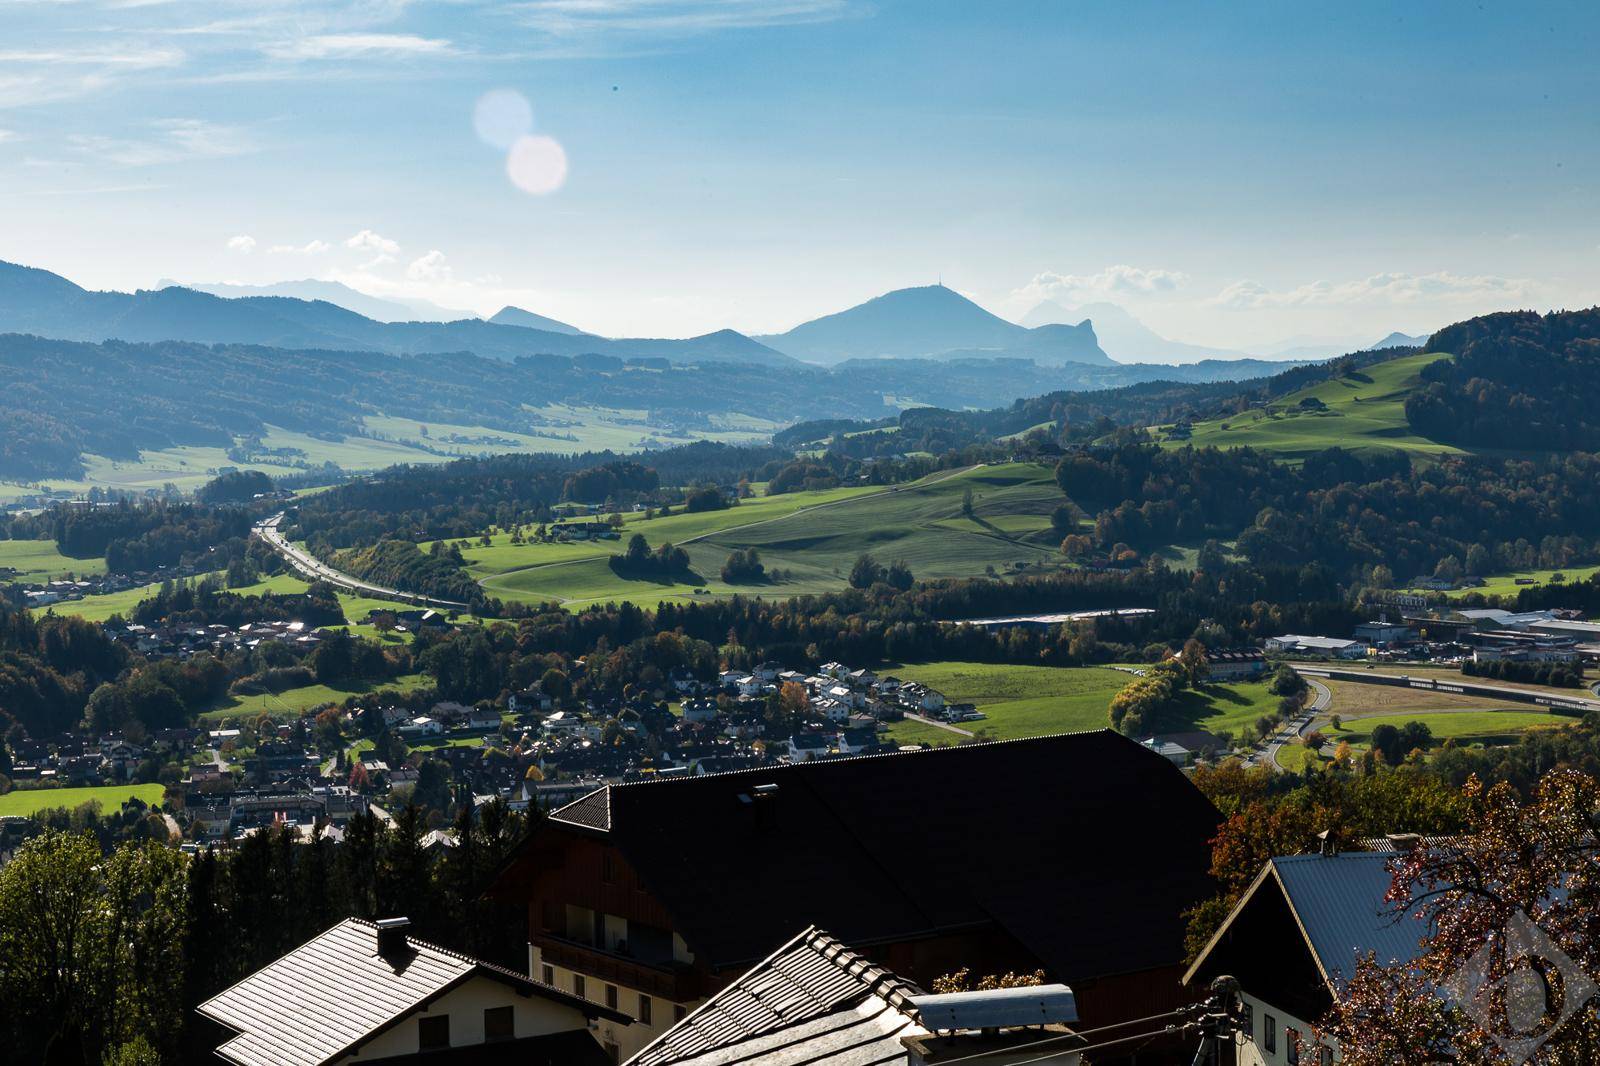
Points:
x=811 y=1001
x=592 y=811
x=1042 y=803
x=1339 y=902
x=329 y=995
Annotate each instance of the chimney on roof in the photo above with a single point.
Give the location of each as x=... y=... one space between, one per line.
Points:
x=1328 y=843
x=763 y=804
x=392 y=936
x=1403 y=841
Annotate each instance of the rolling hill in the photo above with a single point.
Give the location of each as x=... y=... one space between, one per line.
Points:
x=48 y=305
x=933 y=321
x=1363 y=410
x=814 y=537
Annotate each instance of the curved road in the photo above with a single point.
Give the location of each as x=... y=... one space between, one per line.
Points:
x=1303 y=724
x=1297 y=727
x=314 y=569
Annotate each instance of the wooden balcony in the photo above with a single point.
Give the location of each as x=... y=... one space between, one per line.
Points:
x=675 y=981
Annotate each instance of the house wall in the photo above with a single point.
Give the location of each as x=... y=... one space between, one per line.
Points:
x=532 y=1016
x=628 y=1040
x=1265 y=1018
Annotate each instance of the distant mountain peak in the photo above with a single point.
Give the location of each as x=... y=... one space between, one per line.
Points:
x=1401 y=340
x=931 y=321
x=516 y=316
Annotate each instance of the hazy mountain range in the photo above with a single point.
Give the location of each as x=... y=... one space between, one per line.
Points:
x=933 y=321
x=374 y=307
x=46 y=304
x=926 y=323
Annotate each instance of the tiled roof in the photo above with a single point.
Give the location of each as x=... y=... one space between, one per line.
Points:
x=810 y=1001
x=928 y=842
x=329 y=995
x=592 y=811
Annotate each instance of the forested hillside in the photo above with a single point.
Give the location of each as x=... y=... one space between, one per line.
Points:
x=65 y=399
x=1519 y=380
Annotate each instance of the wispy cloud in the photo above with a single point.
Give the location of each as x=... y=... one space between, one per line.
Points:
x=242 y=243
x=125 y=58
x=1114 y=282
x=568 y=18
x=357 y=45
x=170 y=140
x=309 y=248
x=1395 y=289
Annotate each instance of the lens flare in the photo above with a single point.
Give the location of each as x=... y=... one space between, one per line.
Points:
x=501 y=116
x=537 y=165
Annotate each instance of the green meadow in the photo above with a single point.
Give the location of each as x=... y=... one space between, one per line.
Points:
x=23 y=802
x=814 y=537
x=1361 y=412
x=1507 y=584
x=38 y=560
x=395 y=440
x=294 y=702
x=1030 y=701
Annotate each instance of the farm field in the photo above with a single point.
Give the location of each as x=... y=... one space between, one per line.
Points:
x=816 y=537
x=1506 y=584
x=680 y=528
x=38 y=560
x=1027 y=701
x=589 y=428
x=1461 y=725
x=23 y=802
x=292 y=703
x=100 y=608
x=1351 y=699
x=1359 y=414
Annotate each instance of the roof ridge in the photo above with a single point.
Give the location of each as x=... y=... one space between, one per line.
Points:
x=879 y=980
x=1012 y=741
x=459 y=956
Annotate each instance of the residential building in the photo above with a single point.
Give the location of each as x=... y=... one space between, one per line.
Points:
x=1235 y=664
x=1293 y=941
x=991 y=875
x=816 y=1001
x=368 y=992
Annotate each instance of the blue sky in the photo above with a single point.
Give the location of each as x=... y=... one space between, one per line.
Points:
x=1234 y=174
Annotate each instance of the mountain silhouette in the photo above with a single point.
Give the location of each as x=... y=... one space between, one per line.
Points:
x=932 y=321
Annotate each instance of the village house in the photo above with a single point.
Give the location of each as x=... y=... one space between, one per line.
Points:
x=816 y=1000
x=1235 y=664
x=1293 y=941
x=369 y=992
x=699 y=709
x=530 y=700
x=806 y=746
x=614 y=883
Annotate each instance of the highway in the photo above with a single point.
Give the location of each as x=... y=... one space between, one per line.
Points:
x=1451 y=686
x=311 y=568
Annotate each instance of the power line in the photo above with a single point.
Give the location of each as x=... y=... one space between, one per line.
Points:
x=1182 y=1012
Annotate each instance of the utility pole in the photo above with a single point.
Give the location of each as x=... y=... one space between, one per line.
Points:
x=1218 y=1021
